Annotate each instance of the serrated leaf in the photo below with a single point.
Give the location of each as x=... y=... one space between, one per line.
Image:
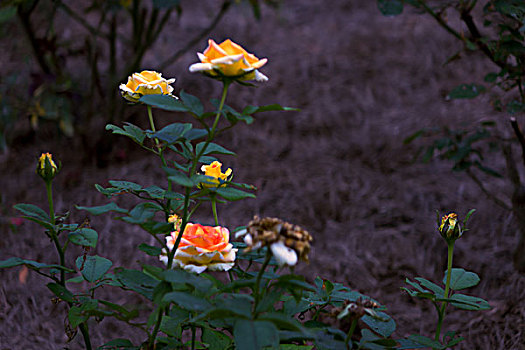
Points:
x=125 y=185
x=421 y=339
x=93 y=267
x=180 y=179
x=461 y=279
x=32 y=211
x=84 y=236
x=215 y=340
x=102 y=209
x=137 y=281
x=431 y=286
x=165 y=102
x=467 y=302
x=195 y=134
x=34 y=265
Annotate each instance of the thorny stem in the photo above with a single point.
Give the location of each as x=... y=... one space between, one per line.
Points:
x=256 y=294
x=441 y=314
x=350 y=333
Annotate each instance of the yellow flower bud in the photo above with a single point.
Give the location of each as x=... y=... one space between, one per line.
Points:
x=46 y=168
x=214 y=170
x=449 y=228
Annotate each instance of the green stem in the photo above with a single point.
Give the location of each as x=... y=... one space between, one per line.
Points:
x=256 y=292
x=193 y=334
x=85 y=333
x=441 y=313
x=214 y=209
x=151 y=343
x=49 y=190
x=152 y=125
x=350 y=333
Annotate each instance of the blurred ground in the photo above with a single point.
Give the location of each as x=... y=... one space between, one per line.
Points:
x=338 y=167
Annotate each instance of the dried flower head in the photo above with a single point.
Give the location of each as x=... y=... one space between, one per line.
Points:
x=288 y=242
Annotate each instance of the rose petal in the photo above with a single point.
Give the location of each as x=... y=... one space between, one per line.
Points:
x=201 y=67
x=283 y=254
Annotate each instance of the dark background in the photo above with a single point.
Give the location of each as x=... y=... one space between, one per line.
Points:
x=338 y=167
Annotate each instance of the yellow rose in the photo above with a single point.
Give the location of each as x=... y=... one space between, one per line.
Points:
x=146 y=82
x=229 y=60
x=214 y=170
x=201 y=248
x=46 y=169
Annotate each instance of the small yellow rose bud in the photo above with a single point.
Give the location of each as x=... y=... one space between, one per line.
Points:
x=450 y=228
x=146 y=82
x=229 y=60
x=214 y=170
x=46 y=168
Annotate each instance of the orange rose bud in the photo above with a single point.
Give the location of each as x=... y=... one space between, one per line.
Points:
x=229 y=60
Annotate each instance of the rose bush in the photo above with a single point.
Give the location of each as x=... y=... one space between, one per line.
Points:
x=146 y=82
x=229 y=59
x=201 y=248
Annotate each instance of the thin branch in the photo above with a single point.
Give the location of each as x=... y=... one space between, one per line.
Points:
x=168 y=62
x=490 y=195
x=94 y=31
x=519 y=135
x=441 y=21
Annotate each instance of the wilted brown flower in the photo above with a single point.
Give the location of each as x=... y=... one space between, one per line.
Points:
x=287 y=242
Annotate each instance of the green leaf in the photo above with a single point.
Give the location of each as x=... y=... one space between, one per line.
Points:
x=431 y=286
x=137 y=281
x=120 y=344
x=295 y=347
x=187 y=301
x=490 y=77
x=253 y=335
x=212 y=148
x=215 y=340
x=61 y=292
x=165 y=102
x=195 y=134
x=93 y=267
x=466 y=91
x=384 y=328
x=134 y=132
x=467 y=302
x=32 y=211
x=172 y=132
x=281 y=321
x=233 y=194
x=127 y=186
x=84 y=236
x=268 y=108
x=142 y=213
x=461 y=279
x=180 y=178
x=150 y=250
x=193 y=103
x=421 y=339
x=184 y=278
x=102 y=209
x=76 y=317
x=390 y=7
x=11 y=262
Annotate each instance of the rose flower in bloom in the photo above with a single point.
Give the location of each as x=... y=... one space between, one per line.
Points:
x=146 y=82
x=229 y=59
x=201 y=248
x=214 y=170
x=288 y=242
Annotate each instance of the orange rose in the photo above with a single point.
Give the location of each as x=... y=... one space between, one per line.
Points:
x=146 y=82
x=229 y=60
x=201 y=248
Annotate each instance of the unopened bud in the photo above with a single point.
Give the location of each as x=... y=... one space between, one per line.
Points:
x=450 y=228
x=46 y=169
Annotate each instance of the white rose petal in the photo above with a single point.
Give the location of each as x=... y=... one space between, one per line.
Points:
x=283 y=254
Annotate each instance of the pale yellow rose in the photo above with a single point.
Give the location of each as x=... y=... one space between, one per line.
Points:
x=229 y=59
x=146 y=82
x=202 y=247
x=214 y=170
